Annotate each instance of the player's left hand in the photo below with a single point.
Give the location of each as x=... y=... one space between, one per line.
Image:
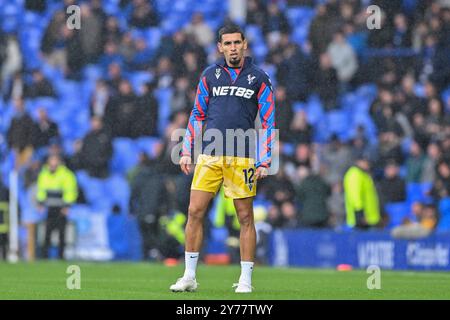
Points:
x=261 y=173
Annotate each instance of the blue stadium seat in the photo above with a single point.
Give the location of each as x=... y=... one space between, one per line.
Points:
x=299 y=106
x=260 y=51
x=92 y=72
x=153 y=37
x=418 y=192
x=419 y=90
x=118 y=191
x=444 y=212
x=298 y=15
x=163 y=96
x=337 y=121
x=397 y=211
x=96 y=194
x=446 y=99
x=125 y=155
x=147 y=145
x=254 y=33
x=314 y=110
x=51 y=73
x=138 y=79
x=300 y=34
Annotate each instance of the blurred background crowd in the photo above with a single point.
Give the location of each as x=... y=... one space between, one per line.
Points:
x=363 y=114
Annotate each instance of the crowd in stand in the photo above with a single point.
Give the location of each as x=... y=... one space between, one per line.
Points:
x=412 y=142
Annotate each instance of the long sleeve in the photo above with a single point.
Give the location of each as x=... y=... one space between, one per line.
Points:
x=70 y=190
x=266 y=107
x=41 y=191
x=197 y=117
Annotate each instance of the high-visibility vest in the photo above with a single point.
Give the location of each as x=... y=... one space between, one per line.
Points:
x=225 y=208
x=174 y=226
x=4 y=211
x=57 y=189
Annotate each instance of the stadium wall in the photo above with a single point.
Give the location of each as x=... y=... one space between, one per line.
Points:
x=329 y=249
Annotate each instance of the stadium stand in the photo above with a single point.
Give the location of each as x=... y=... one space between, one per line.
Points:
x=74 y=60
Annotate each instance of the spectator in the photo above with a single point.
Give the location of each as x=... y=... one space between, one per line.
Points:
x=392 y=188
x=126 y=48
x=112 y=55
x=389 y=148
x=12 y=60
x=336 y=206
x=95 y=151
x=147 y=201
x=410 y=103
x=321 y=29
x=326 y=82
x=361 y=198
x=433 y=156
x=401 y=32
x=4 y=208
x=112 y=33
x=343 y=58
x=301 y=132
x=21 y=133
x=256 y=13
x=164 y=73
x=335 y=160
x=75 y=56
x=99 y=99
x=294 y=72
x=285 y=114
x=381 y=37
x=441 y=186
x=35 y=5
x=147 y=122
x=53 y=45
x=415 y=163
x=284 y=217
x=425 y=221
x=275 y=22
x=143 y=15
x=39 y=87
x=47 y=130
x=142 y=57
x=180 y=99
x=434 y=121
x=313 y=193
x=279 y=189
x=114 y=78
x=122 y=112
x=90 y=34
x=201 y=32
x=57 y=191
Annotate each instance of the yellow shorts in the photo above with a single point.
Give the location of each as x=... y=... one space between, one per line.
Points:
x=237 y=175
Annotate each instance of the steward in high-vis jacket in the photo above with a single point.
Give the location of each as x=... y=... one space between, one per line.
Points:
x=361 y=198
x=57 y=191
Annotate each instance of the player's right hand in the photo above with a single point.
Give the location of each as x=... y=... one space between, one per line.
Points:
x=185 y=164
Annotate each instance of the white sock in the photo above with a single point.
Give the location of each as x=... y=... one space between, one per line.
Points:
x=190 y=260
x=246 y=272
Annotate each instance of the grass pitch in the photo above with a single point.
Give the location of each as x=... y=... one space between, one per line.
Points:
x=144 y=281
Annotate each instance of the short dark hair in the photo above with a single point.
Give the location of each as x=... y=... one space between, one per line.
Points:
x=230 y=28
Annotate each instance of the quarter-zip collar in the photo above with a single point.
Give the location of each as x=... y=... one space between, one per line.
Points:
x=223 y=64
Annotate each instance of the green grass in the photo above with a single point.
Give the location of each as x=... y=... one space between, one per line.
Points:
x=47 y=280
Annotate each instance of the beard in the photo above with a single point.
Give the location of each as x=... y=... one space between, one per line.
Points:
x=235 y=61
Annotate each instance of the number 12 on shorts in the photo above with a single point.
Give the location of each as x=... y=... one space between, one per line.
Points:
x=248 y=174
